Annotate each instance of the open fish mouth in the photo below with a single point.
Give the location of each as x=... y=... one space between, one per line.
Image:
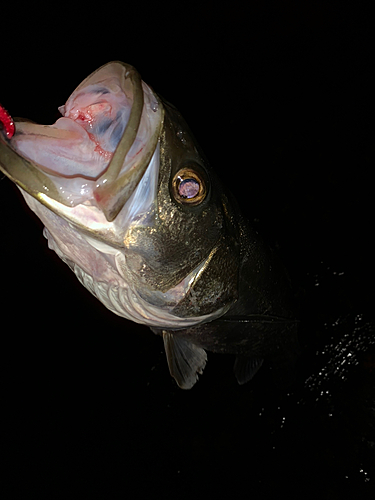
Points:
x=97 y=152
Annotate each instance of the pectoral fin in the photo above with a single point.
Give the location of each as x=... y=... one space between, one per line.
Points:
x=185 y=360
x=245 y=368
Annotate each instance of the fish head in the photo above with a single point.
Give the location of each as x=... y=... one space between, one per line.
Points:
x=129 y=202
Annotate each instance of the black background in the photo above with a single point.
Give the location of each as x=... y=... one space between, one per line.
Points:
x=280 y=95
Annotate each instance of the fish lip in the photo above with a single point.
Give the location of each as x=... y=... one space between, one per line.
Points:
x=112 y=189
x=26 y=174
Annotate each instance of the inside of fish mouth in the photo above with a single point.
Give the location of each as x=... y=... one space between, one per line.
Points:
x=115 y=178
x=97 y=119
x=86 y=127
x=86 y=118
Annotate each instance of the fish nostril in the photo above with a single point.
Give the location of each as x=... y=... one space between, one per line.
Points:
x=7 y=122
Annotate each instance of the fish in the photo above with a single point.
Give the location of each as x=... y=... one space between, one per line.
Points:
x=130 y=203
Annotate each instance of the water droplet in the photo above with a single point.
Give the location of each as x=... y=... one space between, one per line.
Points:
x=181 y=136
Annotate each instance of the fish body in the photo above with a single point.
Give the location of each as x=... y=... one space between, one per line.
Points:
x=131 y=205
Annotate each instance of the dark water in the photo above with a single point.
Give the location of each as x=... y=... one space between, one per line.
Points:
x=281 y=100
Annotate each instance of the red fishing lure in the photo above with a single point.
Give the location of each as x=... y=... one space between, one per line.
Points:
x=7 y=122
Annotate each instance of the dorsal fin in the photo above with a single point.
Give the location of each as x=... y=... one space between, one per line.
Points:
x=185 y=360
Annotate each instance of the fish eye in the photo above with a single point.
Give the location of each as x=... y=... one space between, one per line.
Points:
x=188 y=187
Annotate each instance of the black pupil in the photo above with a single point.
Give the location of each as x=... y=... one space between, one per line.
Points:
x=188 y=188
